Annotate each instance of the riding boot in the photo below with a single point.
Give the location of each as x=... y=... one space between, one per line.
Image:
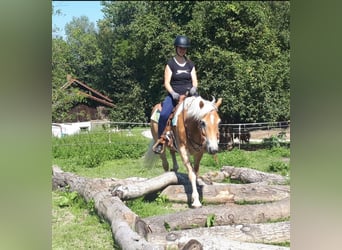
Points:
x=159 y=146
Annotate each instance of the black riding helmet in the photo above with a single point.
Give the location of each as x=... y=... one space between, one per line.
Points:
x=182 y=41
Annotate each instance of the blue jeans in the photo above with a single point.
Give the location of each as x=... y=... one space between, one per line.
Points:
x=167 y=107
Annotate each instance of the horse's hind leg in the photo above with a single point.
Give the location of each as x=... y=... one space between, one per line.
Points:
x=165 y=163
x=174 y=161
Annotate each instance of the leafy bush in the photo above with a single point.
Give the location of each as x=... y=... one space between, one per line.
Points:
x=279 y=167
x=271 y=142
x=280 y=151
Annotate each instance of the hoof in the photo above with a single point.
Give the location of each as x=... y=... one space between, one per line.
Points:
x=201 y=182
x=196 y=205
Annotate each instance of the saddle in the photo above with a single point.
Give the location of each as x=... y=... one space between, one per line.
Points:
x=167 y=137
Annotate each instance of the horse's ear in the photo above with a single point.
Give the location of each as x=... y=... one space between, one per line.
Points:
x=218 y=103
x=201 y=104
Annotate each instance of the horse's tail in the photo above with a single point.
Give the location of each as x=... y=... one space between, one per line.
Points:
x=150 y=158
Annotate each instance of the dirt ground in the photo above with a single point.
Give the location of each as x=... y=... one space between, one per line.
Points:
x=262 y=134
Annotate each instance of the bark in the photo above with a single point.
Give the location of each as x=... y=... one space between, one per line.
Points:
x=227 y=214
x=247 y=175
x=218 y=243
x=268 y=233
x=135 y=190
x=224 y=193
x=62 y=179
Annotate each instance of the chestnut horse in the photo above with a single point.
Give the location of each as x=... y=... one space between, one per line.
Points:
x=196 y=131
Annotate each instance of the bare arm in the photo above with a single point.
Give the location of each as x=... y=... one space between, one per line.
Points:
x=167 y=79
x=194 y=77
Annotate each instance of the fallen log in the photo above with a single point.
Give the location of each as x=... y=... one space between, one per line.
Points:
x=222 y=243
x=112 y=209
x=60 y=179
x=223 y=193
x=265 y=233
x=131 y=232
x=227 y=214
x=135 y=190
x=248 y=175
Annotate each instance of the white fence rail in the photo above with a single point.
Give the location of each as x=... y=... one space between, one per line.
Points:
x=235 y=133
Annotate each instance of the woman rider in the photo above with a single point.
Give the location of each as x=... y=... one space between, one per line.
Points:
x=179 y=77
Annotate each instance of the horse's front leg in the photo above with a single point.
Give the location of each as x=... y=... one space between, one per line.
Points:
x=192 y=177
x=197 y=160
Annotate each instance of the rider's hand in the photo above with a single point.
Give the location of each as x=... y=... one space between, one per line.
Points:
x=175 y=96
x=193 y=91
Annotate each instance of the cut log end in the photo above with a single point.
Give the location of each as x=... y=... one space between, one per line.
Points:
x=193 y=245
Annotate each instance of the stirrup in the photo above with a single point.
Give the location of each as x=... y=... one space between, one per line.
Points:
x=159 y=147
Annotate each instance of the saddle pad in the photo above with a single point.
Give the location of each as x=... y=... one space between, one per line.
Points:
x=156 y=114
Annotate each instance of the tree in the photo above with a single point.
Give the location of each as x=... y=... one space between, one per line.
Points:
x=78 y=56
x=119 y=70
x=85 y=56
x=61 y=101
x=240 y=59
x=241 y=51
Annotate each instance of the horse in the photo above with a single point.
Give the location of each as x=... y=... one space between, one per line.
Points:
x=226 y=138
x=195 y=131
x=243 y=136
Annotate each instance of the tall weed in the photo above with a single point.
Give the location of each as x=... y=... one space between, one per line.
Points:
x=93 y=148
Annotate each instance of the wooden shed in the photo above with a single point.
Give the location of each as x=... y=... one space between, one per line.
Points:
x=96 y=107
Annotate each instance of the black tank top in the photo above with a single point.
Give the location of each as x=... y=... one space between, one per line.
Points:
x=181 y=76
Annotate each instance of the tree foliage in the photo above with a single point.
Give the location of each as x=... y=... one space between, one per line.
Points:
x=241 y=51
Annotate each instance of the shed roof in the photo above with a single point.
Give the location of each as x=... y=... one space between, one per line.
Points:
x=92 y=93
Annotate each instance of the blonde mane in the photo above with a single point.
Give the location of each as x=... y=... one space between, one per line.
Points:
x=194 y=107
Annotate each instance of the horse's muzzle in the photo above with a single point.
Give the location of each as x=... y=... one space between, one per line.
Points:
x=212 y=148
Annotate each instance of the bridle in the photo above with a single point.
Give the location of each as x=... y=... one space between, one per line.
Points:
x=197 y=146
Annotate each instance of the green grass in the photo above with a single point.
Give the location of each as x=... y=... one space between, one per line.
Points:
x=75 y=226
x=266 y=160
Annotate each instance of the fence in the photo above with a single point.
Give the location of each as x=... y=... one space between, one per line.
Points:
x=230 y=134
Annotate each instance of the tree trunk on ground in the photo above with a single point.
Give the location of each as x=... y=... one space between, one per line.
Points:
x=227 y=214
x=246 y=175
x=268 y=233
x=224 y=193
x=135 y=190
x=120 y=217
x=132 y=232
x=219 y=243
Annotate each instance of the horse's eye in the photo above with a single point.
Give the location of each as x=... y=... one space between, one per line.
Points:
x=202 y=124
